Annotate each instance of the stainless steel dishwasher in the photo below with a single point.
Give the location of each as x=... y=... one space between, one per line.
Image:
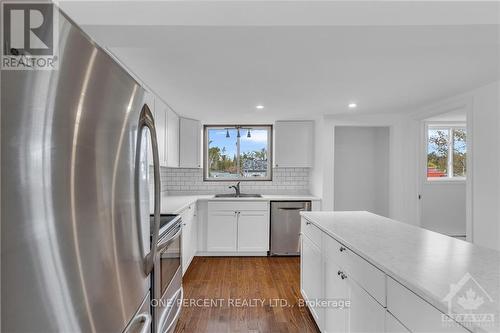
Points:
x=285 y=226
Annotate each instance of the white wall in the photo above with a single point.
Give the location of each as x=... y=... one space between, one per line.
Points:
x=486 y=166
x=361 y=173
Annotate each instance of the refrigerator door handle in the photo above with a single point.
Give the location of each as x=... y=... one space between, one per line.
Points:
x=146 y=120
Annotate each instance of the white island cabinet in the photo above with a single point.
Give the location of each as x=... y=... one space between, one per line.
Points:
x=353 y=256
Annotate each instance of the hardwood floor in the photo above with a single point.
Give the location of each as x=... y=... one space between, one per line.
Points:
x=229 y=282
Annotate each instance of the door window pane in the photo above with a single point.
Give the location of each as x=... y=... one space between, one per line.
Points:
x=437 y=153
x=459 y=152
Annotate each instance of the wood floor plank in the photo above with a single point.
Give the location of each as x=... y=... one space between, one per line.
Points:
x=247 y=292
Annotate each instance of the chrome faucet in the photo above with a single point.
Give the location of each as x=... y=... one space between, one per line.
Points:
x=236 y=188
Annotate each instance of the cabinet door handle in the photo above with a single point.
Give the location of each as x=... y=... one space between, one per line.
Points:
x=307 y=222
x=339 y=272
x=343 y=276
x=342 y=249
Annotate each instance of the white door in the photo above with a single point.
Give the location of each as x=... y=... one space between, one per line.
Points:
x=312 y=277
x=365 y=313
x=221 y=232
x=336 y=291
x=253 y=231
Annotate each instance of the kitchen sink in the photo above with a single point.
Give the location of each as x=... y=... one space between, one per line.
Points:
x=241 y=195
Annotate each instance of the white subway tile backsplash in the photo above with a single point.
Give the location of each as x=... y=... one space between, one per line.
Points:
x=289 y=180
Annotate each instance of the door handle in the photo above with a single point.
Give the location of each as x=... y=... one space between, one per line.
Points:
x=146 y=120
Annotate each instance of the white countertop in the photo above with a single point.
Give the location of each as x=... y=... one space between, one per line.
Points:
x=425 y=262
x=174 y=204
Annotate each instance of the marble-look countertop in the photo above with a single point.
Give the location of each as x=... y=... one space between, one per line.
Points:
x=424 y=261
x=175 y=204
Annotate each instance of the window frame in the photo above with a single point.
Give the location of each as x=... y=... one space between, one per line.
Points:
x=444 y=126
x=269 y=129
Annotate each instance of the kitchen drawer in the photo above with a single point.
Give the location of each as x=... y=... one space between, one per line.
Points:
x=233 y=205
x=311 y=231
x=415 y=313
x=365 y=274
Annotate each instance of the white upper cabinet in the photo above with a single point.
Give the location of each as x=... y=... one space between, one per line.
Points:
x=293 y=144
x=149 y=100
x=172 y=139
x=160 y=115
x=190 y=143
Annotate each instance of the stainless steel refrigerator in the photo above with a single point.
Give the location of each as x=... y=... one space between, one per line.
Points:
x=75 y=230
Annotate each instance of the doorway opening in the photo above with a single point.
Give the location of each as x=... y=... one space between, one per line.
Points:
x=361 y=172
x=443 y=173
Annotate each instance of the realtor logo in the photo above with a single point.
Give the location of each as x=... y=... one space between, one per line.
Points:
x=29 y=35
x=465 y=301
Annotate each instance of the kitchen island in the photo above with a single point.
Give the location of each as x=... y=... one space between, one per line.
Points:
x=397 y=277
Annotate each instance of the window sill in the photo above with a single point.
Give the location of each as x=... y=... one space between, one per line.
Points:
x=446 y=180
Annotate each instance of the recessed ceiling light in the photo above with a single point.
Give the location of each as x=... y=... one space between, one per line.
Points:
x=352 y=105
x=259 y=107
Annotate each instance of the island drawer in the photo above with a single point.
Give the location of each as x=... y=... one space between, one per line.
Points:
x=365 y=274
x=311 y=231
x=415 y=313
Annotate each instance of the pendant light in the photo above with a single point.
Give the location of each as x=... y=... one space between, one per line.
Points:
x=238 y=135
x=248 y=134
x=227 y=133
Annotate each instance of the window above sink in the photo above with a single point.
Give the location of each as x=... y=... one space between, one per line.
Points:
x=237 y=152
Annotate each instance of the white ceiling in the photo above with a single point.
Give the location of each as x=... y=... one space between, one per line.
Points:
x=217 y=70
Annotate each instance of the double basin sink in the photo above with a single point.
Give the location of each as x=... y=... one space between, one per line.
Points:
x=241 y=195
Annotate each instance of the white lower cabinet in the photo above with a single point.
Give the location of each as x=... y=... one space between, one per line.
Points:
x=311 y=277
x=404 y=304
x=392 y=325
x=189 y=236
x=324 y=277
x=365 y=313
x=239 y=227
x=221 y=233
x=253 y=231
x=330 y=271
x=336 y=290
x=362 y=313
